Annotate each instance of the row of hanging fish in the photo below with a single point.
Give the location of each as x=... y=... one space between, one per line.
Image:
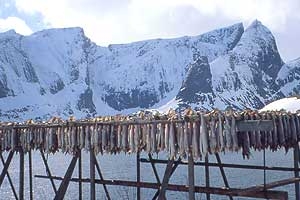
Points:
x=194 y=133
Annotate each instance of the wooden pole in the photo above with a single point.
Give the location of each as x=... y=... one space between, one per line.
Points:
x=172 y=171
x=30 y=175
x=296 y=166
x=207 y=176
x=9 y=179
x=66 y=180
x=223 y=173
x=101 y=177
x=5 y=167
x=191 y=176
x=154 y=169
x=138 y=175
x=167 y=175
x=21 y=175
x=79 y=174
x=92 y=176
x=48 y=171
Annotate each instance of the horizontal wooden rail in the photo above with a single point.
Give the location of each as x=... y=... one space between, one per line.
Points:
x=269 y=185
x=270 y=194
x=225 y=165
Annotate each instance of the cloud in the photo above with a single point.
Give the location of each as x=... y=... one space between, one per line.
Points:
x=15 y=23
x=121 y=21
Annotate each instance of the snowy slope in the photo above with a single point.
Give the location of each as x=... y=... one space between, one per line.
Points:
x=290 y=104
x=289 y=78
x=61 y=72
x=245 y=76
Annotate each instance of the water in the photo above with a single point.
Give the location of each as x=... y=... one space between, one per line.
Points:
x=123 y=166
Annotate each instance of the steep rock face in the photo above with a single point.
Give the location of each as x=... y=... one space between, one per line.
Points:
x=245 y=77
x=197 y=86
x=148 y=68
x=61 y=72
x=289 y=78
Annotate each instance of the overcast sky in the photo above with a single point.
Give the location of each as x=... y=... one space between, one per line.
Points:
x=123 y=21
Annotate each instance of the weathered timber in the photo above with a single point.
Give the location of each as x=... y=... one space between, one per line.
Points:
x=5 y=167
x=9 y=179
x=223 y=173
x=227 y=165
x=270 y=194
x=66 y=180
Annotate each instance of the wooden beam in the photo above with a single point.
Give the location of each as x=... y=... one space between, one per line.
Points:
x=172 y=171
x=138 y=176
x=154 y=169
x=5 y=167
x=254 y=125
x=92 y=176
x=226 y=165
x=101 y=178
x=270 y=194
x=9 y=179
x=166 y=178
x=296 y=166
x=66 y=180
x=223 y=173
x=79 y=175
x=268 y=185
x=30 y=175
x=191 y=176
x=21 y=175
x=207 y=176
x=48 y=171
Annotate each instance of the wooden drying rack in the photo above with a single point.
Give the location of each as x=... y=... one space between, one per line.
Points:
x=162 y=183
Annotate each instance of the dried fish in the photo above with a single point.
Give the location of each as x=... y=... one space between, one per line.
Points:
x=204 y=147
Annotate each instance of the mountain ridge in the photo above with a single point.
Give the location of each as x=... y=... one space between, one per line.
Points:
x=62 y=72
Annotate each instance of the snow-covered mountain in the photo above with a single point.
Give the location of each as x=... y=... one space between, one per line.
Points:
x=61 y=72
x=288 y=78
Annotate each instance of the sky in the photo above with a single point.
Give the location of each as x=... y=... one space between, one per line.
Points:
x=122 y=21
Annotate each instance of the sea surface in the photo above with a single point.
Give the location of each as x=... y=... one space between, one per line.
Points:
x=123 y=166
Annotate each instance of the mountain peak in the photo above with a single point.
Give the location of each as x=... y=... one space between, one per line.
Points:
x=255 y=24
x=72 y=31
x=9 y=33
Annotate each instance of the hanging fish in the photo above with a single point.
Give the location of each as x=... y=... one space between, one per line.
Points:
x=162 y=137
x=112 y=139
x=13 y=136
x=119 y=137
x=227 y=133
x=181 y=140
x=131 y=139
x=104 y=138
x=212 y=135
x=252 y=134
x=220 y=132
x=281 y=131
x=82 y=136
x=99 y=133
x=274 y=132
x=144 y=136
x=195 y=141
x=137 y=133
x=167 y=132
x=204 y=146
x=125 y=138
x=153 y=137
x=172 y=141
x=234 y=134
x=293 y=129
